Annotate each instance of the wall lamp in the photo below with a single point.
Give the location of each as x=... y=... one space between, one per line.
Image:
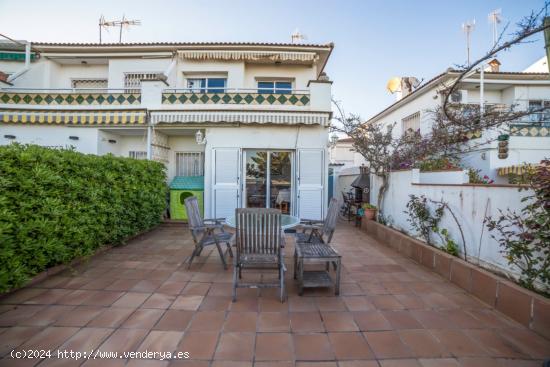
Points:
x=9 y=136
x=199 y=138
x=112 y=141
x=74 y=137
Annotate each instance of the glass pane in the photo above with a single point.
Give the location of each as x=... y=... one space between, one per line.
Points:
x=196 y=85
x=216 y=85
x=265 y=87
x=283 y=87
x=256 y=166
x=280 y=181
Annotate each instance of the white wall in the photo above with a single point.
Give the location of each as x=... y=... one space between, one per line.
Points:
x=177 y=144
x=52 y=136
x=471 y=204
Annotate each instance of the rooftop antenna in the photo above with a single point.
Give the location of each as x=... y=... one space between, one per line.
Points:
x=468 y=28
x=495 y=17
x=123 y=23
x=297 y=37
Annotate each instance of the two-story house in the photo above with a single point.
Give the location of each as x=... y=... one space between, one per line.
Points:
x=252 y=119
x=528 y=140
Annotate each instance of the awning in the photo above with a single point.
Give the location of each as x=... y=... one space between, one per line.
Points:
x=281 y=56
x=51 y=117
x=252 y=117
x=516 y=170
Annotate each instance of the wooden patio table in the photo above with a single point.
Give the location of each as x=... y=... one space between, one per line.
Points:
x=316 y=253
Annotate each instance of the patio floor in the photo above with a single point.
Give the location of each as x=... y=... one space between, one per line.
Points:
x=391 y=312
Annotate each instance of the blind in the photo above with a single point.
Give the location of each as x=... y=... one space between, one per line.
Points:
x=137 y=154
x=132 y=81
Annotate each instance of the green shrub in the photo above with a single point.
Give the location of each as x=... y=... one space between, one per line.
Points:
x=57 y=205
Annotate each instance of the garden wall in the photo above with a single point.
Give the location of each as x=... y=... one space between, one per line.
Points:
x=58 y=205
x=471 y=203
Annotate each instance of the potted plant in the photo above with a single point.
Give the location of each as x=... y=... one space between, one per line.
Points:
x=370 y=211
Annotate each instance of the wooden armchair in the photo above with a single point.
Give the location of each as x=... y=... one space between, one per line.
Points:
x=259 y=240
x=206 y=232
x=319 y=230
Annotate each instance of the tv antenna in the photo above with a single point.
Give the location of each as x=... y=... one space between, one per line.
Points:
x=122 y=23
x=297 y=37
x=468 y=28
x=495 y=17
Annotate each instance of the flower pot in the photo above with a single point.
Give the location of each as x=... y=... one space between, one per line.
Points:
x=370 y=214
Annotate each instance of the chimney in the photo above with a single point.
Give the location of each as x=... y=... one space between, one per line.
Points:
x=494 y=66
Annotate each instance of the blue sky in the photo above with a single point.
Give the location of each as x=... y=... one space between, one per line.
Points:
x=375 y=40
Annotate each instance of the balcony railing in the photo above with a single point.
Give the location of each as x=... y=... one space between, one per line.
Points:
x=70 y=97
x=235 y=96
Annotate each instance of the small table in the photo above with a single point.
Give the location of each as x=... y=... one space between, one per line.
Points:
x=316 y=253
x=287 y=221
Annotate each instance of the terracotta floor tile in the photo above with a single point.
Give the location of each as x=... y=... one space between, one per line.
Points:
x=131 y=299
x=147 y=285
x=196 y=289
x=86 y=339
x=15 y=336
x=274 y=347
x=215 y=303
x=423 y=344
x=302 y=304
x=199 y=344
x=46 y=317
x=410 y=301
x=102 y=298
x=147 y=363
x=123 y=340
x=189 y=303
x=274 y=364
x=49 y=297
x=400 y=363
x=339 y=321
x=143 y=318
x=330 y=304
x=79 y=316
x=175 y=320
x=235 y=347
x=245 y=304
x=105 y=363
x=371 y=321
x=495 y=344
x=161 y=341
x=387 y=344
x=363 y=363
x=273 y=322
x=271 y=305
x=440 y=362
x=159 y=300
x=241 y=321
x=207 y=321
x=458 y=343
x=401 y=320
x=432 y=319
x=172 y=287
x=386 y=302
x=111 y=317
x=49 y=338
x=312 y=347
x=527 y=342
x=22 y=295
x=318 y=364
x=358 y=303
x=306 y=322
x=122 y=285
x=231 y=364
x=350 y=346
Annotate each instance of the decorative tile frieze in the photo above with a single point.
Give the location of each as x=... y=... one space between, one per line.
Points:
x=530 y=130
x=71 y=99
x=236 y=98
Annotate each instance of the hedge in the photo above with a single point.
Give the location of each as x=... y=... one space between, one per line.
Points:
x=58 y=205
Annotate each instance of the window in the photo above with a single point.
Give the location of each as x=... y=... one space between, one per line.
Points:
x=208 y=85
x=411 y=123
x=137 y=154
x=274 y=87
x=132 y=81
x=89 y=83
x=189 y=164
x=539 y=115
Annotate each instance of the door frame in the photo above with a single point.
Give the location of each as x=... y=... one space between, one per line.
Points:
x=293 y=182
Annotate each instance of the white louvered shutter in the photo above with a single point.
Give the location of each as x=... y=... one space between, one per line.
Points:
x=225 y=181
x=311 y=181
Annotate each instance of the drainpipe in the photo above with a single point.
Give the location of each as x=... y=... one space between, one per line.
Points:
x=149 y=132
x=27 y=63
x=481 y=92
x=171 y=67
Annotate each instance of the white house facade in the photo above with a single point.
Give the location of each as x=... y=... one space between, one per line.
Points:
x=251 y=118
x=529 y=138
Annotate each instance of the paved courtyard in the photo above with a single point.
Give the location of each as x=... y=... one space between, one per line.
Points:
x=391 y=312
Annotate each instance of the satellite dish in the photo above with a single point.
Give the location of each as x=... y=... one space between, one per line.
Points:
x=394 y=85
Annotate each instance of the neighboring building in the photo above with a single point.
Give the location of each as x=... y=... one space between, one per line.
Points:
x=530 y=138
x=342 y=153
x=252 y=118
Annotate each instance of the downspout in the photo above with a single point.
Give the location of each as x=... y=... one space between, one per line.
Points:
x=171 y=67
x=27 y=63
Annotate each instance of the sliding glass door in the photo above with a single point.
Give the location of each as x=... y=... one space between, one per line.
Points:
x=268 y=179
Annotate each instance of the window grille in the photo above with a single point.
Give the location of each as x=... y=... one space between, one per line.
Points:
x=136 y=154
x=89 y=83
x=189 y=164
x=411 y=122
x=132 y=81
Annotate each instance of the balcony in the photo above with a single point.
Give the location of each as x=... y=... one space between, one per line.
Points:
x=245 y=97
x=15 y=97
